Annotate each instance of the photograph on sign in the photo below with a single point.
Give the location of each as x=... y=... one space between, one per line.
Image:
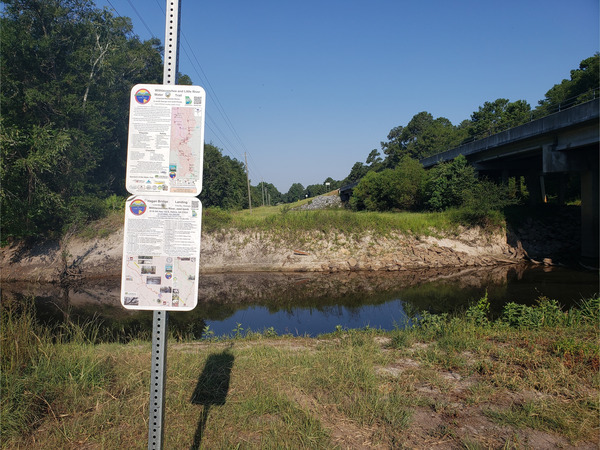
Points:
x=165 y=148
x=161 y=253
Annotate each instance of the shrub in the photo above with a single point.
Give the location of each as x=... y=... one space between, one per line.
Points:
x=545 y=313
x=478 y=313
x=448 y=184
x=86 y=208
x=399 y=188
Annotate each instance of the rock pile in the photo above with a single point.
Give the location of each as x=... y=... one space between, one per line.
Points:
x=322 y=202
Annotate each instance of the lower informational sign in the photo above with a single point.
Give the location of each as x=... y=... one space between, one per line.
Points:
x=161 y=253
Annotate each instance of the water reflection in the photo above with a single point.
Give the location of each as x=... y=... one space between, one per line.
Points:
x=312 y=303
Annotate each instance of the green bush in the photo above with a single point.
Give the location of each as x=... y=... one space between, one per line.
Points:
x=85 y=208
x=546 y=313
x=478 y=313
x=392 y=189
x=482 y=205
x=448 y=184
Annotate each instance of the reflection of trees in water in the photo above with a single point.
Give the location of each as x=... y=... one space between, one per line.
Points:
x=328 y=295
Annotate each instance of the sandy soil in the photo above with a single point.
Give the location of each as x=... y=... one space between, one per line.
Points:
x=75 y=257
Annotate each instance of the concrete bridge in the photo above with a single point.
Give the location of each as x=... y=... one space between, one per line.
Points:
x=561 y=143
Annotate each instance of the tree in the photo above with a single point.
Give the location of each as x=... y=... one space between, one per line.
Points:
x=224 y=181
x=272 y=194
x=578 y=89
x=448 y=184
x=314 y=190
x=390 y=189
x=184 y=79
x=499 y=115
x=67 y=69
x=393 y=148
x=358 y=171
x=333 y=184
x=423 y=136
x=295 y=193
x=374 y=160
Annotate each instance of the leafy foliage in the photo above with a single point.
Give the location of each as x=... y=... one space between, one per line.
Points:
x=580 y=88
x=499 y=115
x=423 y=136
x=295 y=193
x=449 y=183
x=482 y=204
x=478 y=313
x=399 y=188
x=67 y=69
x=546 y=313
x=224 y=180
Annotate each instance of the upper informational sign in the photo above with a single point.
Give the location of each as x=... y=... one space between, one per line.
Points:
x=165 y=150
x=161 y=253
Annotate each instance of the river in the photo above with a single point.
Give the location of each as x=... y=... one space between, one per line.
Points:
x=311 y=303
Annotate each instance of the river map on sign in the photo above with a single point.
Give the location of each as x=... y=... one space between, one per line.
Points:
x=185 y=156
x=159 y=282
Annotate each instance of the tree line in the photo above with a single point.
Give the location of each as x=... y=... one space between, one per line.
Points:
x=395 y=180
x=67 y=69
x=425 y=135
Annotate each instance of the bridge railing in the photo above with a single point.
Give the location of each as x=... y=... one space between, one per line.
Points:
x=548 y=109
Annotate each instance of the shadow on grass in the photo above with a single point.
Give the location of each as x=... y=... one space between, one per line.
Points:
x=212 y=388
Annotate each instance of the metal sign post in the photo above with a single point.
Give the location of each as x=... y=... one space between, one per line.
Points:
x=160 y=320
x=162 y=232
x=160 y=329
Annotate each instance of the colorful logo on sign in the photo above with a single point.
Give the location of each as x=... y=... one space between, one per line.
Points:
x=142 y=96
x=172 y=174
x=137 y=207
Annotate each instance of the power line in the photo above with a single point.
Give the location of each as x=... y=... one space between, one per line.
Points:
x=141 y=18
x=219 y=134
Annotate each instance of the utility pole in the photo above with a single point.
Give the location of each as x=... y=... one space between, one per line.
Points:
x=248 y=180
x=262 y=185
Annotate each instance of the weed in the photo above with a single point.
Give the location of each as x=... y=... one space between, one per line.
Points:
x=546 y=313
x=478 y=314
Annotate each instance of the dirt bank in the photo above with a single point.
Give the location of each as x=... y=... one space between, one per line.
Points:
x=245 y=251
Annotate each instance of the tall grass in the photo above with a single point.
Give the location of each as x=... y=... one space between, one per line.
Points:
x=285 y=221
x=40 y=365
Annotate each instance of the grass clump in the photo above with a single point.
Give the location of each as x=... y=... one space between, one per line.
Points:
x=40 y=367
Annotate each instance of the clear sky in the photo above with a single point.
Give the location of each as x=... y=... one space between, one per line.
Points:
x=309 y=87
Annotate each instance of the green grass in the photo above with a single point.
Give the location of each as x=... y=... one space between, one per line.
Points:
x=280 y=220
x=434 y=382
x=44 y=370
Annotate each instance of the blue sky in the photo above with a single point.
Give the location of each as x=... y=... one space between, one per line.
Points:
x=309 y=87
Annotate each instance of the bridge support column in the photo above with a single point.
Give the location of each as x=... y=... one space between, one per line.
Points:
x=536 y=188
x=562 y=189
x=589 y=217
